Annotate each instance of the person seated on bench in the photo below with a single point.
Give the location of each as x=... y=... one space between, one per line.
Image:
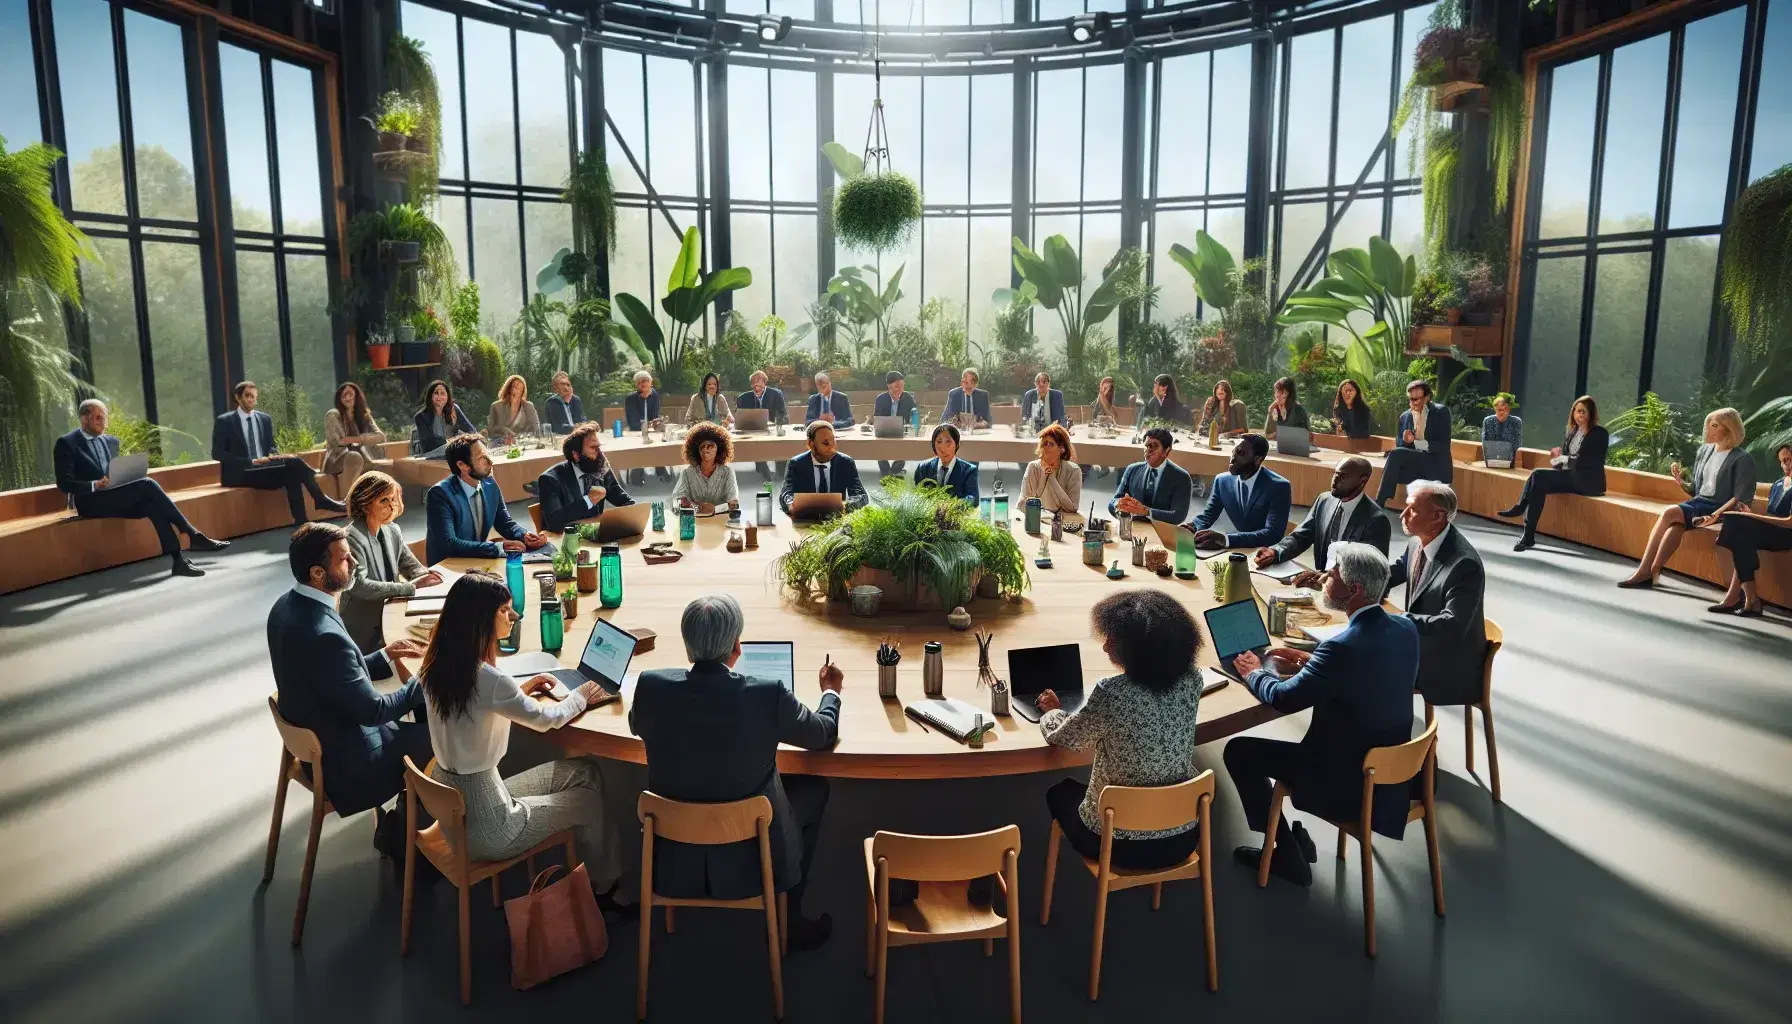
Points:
x=564 y=410
x=243 y=444
x=1746 y=533
x=967 y=398
x=1254 y=498
x=1165 y=405
x=438 y=420
x=1422 y=444
x=512 y=413
x=352 y=438
x=464 y=508
x=1502 y=426
x=1578 y=468
x=823 y=469
x=582 y=486
x=1044 y=405
x=1723 y=478
x=82 y=458
x=1222 y=406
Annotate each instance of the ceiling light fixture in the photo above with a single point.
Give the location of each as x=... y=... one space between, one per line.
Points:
x=1083 y=28
x=773 y=28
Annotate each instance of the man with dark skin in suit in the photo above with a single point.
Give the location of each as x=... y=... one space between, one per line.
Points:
x=1348 y=481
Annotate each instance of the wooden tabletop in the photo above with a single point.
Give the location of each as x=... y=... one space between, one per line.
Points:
x=876 y=739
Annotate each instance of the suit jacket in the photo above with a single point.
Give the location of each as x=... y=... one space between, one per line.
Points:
x=696 y=412
x=1359 y=685
x=837 y=404
x=562 y=415
x=1355 y=421
x=1054 y=406
x=884 y=407
x=1367 y=525
x=1174 y=487
x=1588 y=468
x=231 y=449
x=77 y=467
x=1735 y=480
x=712 y=736
x=1447 y=606
x=955 y=404
x=563 y=497
x=384 y=567
x=452 y=531
x=772 y=402
x=1261 y=520
x=1437 y=462
x=637 y=410
x=326 y=685
x=423 y=429
x=843 y=478
x=962 y=481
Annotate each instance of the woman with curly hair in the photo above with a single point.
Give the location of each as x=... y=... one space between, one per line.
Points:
x=706 y=481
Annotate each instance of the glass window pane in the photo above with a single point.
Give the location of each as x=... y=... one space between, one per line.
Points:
x=1706 y=123
x=1554 y=360
x=1361 y=221
x=1103 y=117
x=1633 y=136
x=1615 y=353
x=246 y=139
x=176 y=292
x=673 y=161
x=451 y=214
x=435 y=30
x=991 y=242
x=491 y=116
x=1412 y=29
x=1231 y=119
x=1309 y=117
x=1177 y=290
x=1058 y=136
x=19 y=124
x=749 y=144
x=1568 y=168
x=794 y=145
x=117 y=363
x=753 y=250
x=89 y=78
x=795 y=262
x=313 y=337
x=547 y=228
x=1363 y=97
x=992 y=138
x=1683 y=327
x=628 y=260
x=946 y=163
x=258 y=307
x=1408 y=231
x=160 y=122
x=541 y=81
x=1773 y=105
x=1046 y=326
x=496 y=252
x=1182 y=127
x=1301 y=225
x=946 y=246
x=295 y=123
x=623 y=100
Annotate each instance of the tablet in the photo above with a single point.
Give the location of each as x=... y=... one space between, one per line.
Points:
x=768 y=659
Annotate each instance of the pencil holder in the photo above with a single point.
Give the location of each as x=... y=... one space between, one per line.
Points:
x=886 y=682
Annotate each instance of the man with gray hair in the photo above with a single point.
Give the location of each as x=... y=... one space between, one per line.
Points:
x=83 y=460
x=828 y=405
x=1446 y=588
x=712 y=736
x=1359 y=685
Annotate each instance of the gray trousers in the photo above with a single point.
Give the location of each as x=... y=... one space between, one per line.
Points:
x=507 y=816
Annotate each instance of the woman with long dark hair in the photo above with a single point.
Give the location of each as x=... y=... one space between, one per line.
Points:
x=709 y=405
x=351 y=438
x=438 y=419
x=471 y=706
x=1284 y=408
x=1577 y=467
x=1229 y=410
x=1350 y=412
x=1164 y=404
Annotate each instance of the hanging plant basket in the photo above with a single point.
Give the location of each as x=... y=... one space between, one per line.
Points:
x=876 y=211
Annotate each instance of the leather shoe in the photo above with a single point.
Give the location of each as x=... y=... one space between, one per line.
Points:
x=182 y=567
x=1525 y=544
x=1642 y=584
x=331 y=505
x=1308 y=848
x=1724 y=609
x=200 y=542
x=1511 y=513
x=809 y=933
x=1758 y=611
x=1286 y=865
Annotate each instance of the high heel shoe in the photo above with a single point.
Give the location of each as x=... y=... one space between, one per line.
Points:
x=1724 y=609
x=1758 y=611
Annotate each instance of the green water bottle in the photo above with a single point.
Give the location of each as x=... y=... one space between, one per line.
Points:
x=513 y=574
x=609 y=576
x=1185 y=555
x=687 y=524
x=553 y=626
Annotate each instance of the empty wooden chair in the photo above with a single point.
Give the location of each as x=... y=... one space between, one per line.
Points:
x=711 y=825
x=942 y=910
x=1382 y=766
x=1144 y=808
x=299 y=747
x=1495 y=638
x=535 y=515
x=445 y=844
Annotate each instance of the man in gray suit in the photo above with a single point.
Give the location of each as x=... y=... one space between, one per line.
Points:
x=712 y=736
x=1446 y=589
x=1346 y=514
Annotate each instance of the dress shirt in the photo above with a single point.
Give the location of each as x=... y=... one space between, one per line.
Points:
x=1244 y=486
x=250 y=434
x=101 y=453
x=590 y=479
x=1418 y=422
x=1335 y=529
x=476 y=503
x=1713 y=466
x=946 y=470
x=315 y=594
x=1150 y=485
x=474 y=742
x=822 y=477
x=1428 y=553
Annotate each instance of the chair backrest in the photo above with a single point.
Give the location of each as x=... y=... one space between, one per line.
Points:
x=300 y=743
x=535 y=515
x=705 y=824
x=1495 y=638
x=1149 y=808
x=945 y=858
x=612 y=413
x=1394 y=765
x=442 y=801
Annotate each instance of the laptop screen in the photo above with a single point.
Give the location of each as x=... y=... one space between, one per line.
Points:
x=608 y=653
x=768 y=659
x=1236 y=628
x=1032 y=670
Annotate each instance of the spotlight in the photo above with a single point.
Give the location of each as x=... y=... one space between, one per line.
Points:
x=1084 y=28
x=773 y=28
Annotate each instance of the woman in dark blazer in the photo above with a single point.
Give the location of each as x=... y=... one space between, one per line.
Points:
x=1577 y=467
x=1723 y=478
x=946 y=468
x=1350 y=412
x=1746 y=533
x=438 y=420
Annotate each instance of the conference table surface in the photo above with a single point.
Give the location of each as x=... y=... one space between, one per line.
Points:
x=876 y=740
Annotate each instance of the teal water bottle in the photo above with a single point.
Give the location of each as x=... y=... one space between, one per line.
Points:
x=1001 y=512
x=986 y=510
x=513 y=573
x=609 y=576
x=1033 y=509
x=1185 y=555
x=659 y=516
x=687 y=524
x=616 y=428
x=914 y=420
x=553 y=626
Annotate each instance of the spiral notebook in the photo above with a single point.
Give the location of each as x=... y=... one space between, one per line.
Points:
x=951 y=716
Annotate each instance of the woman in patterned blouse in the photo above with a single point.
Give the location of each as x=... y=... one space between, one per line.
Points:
x=1140 y=722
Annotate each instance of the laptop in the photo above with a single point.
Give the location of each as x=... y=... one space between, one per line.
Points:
x=1494 y=454
x=887 y=426
x=1033 y=670
x=1234 y=629
x=813 y=505
x=618 y=523
x=1168 y=534
x=768 y=659
x=1296 y=442
x=604 y=661
x=127 y=469
x=752 y=419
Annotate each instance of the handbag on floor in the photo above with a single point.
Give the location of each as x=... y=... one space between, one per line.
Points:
x=555 y=928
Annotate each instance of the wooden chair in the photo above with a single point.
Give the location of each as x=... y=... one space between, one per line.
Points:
x=1144 y=807
x=711 y=825
x=612 y=413
x=299 y=747
x=445 y=844
x=1382 y=766
x=535 y=515
x=942 y=910
x=1495 y=638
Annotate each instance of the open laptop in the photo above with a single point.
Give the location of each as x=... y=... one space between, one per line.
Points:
x=1494 y=454
x=127 y=469
x=1033 y=670
x=752 y=419
x=814 y=505
x=1296 y=442
x=1234 y=629
x=887 y=426
x=768 y=659
x=620 y=522
x=1168 y=534
x=604 y=661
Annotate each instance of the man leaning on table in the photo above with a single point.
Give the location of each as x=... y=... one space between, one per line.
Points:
x=580 y=487
x=465 y=508
x=1254 y=498
x=1156 y=488
x=827 y=405
x=1344 y=514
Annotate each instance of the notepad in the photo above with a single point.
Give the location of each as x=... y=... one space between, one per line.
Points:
x=1320 y=634
x=438 y=591
x=427 y=606
x=951 y=716
x=1281 y=572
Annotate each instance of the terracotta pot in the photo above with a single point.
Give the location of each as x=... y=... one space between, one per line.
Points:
x=989 y=586
x=392 y=142
x=569 y=606
x=380 y=356
x=1452 y=316
x=417 y=144
x=587 y=577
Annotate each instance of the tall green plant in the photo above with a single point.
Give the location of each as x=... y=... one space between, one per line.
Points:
x=408 y=70
x=689 y=292
x=1056 y=274
x=1374 y=282
x=1212 y=267
x=865 y=302
x=1757 y=265
x=1650 y=437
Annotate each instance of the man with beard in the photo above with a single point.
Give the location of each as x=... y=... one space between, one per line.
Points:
x=1344 y=514
x=464 y=508
x=580 y=487
x=1359 y=685
x=325 y=683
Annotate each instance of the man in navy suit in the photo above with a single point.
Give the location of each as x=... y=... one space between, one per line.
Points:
x=1422 y=451
x=1359 y=685
x=464 y=509
x=326 y=684
x=1344 y=514
x=1156 y=488
x=822 y=470
x=895 y=401
x=1044 y=405
x=243 y=444
x=762 y=396
x=827 y=405
x=580 y=487
x=82 y=458
x=956 y=475
x=1254 y=498
x=967 y=398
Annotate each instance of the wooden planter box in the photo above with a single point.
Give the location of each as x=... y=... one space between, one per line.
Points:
x=899 y=598
x=1438 y=339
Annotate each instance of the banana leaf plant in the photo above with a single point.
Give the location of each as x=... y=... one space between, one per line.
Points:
x=1375 y=282
x=689 y=291
x=1055 y=273
x=1212 y=267
x=866 y=302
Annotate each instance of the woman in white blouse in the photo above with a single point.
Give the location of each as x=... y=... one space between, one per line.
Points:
x=471 y=706
x=1140 y=722
x=709 y=405
x=1052 y=478
x=707 y=481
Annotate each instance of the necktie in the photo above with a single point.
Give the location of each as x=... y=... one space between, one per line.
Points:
x=101 y=454
x=942 y=474
x=1150 y=486
x=825 y=488
x=253 y=436
x=478 y=505
x=1418 y=577
x=1336 y=528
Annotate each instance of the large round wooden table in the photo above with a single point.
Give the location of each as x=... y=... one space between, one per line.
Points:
x=877 y=740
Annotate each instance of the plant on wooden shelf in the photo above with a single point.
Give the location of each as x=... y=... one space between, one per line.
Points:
x=410 y=73
x=403 y=250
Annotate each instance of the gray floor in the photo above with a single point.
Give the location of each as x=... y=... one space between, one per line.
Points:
x=1640 y=868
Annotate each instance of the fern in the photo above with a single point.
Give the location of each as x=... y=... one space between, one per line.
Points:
x=1443 y=160
x=1757 y=265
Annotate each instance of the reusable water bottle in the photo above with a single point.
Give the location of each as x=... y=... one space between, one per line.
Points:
x=763 y=504
x=513 y=574
x=1033 y=507
x=609 y=576
x=659 y=516
x=1002 y=511
x=1185 y=555
x=933 y=669
x=914 y=420
x=553 y=626
x=616 y=428
x=687 y=524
